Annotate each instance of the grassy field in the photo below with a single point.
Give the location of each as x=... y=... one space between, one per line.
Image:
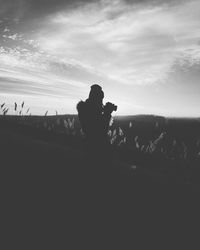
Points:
x=158 y=145
x=168 y=139
x=50 y=183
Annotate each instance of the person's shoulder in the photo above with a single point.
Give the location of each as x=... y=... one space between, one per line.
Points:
x=84 y=106
x=81 y=106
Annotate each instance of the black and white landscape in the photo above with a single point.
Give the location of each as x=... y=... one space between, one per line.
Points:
x=146 y=57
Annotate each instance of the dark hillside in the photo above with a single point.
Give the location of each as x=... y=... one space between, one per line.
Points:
x=49 y=184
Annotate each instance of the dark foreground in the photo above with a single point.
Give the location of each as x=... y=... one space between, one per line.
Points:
x=57 y=193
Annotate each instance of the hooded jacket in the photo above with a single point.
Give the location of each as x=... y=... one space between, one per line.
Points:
x=94 y=121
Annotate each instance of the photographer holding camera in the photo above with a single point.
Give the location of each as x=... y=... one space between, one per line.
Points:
x=94 y=118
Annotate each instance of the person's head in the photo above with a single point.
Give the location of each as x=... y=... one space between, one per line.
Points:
x=96 y=93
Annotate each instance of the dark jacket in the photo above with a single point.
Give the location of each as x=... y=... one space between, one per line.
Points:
x=94 y=121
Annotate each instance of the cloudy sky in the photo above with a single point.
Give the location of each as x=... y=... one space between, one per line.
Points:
x=145 y=54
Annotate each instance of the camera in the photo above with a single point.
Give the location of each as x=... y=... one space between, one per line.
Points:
x=110 y=107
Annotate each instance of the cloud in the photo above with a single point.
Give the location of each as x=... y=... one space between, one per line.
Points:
x=38 y=9
x=34 y=9
x=127 y=46
x=35 y=72
x=6 y=29
x=130 y=44
x=13 y=37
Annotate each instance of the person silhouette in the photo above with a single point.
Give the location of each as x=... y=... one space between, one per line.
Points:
x=94 y=118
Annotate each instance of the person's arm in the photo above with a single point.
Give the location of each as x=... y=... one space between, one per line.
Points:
x=106 y=120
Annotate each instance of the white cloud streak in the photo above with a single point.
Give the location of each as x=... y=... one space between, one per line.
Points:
x=133 y=45
x=109 y=42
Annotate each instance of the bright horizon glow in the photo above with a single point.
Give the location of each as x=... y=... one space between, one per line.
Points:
x=144 y=54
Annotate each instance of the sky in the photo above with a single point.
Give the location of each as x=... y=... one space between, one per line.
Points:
x=144 y=53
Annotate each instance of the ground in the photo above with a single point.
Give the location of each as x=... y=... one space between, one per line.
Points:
x=50 y=187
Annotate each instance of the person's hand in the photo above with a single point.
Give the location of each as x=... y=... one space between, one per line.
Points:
x=109 y=108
